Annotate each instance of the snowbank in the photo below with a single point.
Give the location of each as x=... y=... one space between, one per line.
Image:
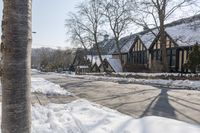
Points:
x=82 y=116
x=186 y=84
x=40 y=85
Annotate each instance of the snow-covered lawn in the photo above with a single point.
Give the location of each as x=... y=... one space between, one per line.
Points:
x=186 y=84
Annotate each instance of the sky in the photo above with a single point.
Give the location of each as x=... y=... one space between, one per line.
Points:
x=49 y=22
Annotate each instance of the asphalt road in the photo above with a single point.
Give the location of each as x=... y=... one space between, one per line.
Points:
x=132 y=99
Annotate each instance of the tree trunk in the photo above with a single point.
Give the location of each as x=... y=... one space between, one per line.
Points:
x=16 y=51
x=120 y=54
x=99 y=53
x=163 y=44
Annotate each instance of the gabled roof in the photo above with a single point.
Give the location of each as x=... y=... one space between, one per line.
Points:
x=148 y=37
x=128 y=44
x=185 y=34
x=115 y=64
x=124 y=44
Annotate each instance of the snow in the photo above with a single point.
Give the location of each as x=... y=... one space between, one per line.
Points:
x=128 y=44
x=150 y=74
x=82 y=116
x=83 y=67
x=185 y=34
x=116 y=64
x=40 y=85
x=185 y=84
x=148 y=38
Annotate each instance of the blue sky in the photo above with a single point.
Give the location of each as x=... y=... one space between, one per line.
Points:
x=49 y=20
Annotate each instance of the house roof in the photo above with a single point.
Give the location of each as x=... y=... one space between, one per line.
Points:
x=115 y=64
x=128 y=43
x=148 y=37
x=185 y=34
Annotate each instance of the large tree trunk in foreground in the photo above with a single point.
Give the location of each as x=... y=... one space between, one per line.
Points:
x=16 y=50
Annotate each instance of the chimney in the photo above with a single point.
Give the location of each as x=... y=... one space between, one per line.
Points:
x=106 y=37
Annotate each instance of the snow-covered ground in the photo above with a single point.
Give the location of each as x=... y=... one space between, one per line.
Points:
x=81 y=116
x=125 y=74
x=186 y=84
x=154 y=74
x=40 y=85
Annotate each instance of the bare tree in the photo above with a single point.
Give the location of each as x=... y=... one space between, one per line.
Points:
x=90 y=14
x=118 y=16
x=77 y=34
x=160 y=11
x=47 y=59
x=16 y=51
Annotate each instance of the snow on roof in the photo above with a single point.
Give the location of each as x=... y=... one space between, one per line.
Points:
x=185 y=34
x=130 y=40
x=148 y=38
x=115 y=64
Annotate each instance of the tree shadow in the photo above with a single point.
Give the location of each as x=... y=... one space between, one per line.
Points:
x=160 y=106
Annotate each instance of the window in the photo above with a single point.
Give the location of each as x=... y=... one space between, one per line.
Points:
x=169 y=60
x=169 y=52
x=173 y=63
x=158 y=55
x=173 y=51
